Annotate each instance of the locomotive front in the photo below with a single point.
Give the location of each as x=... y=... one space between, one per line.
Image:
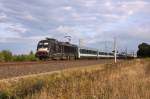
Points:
x=43 y=49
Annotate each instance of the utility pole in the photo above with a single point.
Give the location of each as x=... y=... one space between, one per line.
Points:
x=105 y=47
x=133 y=54
x=81 y=43
x=115 y=50
x=126 y=52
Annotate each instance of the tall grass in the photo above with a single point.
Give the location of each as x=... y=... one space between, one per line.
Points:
x=124 y=80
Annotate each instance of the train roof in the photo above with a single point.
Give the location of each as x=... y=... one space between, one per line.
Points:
x=67 y=44
x=94 y=49
x=87 y=48
x=62 y=43
x=48 y=40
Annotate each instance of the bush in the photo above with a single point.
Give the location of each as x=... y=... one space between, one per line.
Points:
x=144 y=50
x=31 y=57
x=24 y=58
x=6 y=56
x=19 y=58
x=1 y=57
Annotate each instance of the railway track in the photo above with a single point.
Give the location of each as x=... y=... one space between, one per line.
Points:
x=16 y=69
x=25 y=63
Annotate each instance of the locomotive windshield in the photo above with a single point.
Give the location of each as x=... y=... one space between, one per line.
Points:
x=43 y=45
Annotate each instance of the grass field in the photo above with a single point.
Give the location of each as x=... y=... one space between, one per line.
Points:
x=124 y=80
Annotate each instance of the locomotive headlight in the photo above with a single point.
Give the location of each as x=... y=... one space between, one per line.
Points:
x=43 y=49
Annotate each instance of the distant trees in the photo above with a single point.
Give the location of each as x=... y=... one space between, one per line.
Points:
x=6 y=56
x=144 y=50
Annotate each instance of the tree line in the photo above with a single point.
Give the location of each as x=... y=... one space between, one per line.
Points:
x=143 y=50
x=7 y=56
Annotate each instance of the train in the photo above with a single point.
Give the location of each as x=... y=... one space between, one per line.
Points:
x=53 y=49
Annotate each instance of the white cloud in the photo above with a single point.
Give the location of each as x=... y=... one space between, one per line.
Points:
x=3 y=17
x=74 y=32
x=7 y=30
x=30 y=17
x=67 y=8
x=142 y=32
x=65 y=29
x=132 y=7
x=109 y=5
x=16 y=28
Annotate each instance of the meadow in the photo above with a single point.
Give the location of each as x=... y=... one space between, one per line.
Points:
x=128 y=79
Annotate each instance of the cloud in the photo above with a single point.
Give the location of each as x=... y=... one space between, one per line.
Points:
x=3 y=17
x=67 y=8
x=30 y=17
x=94 y=21
x=68 y=30
x=16 y=28
x=142 y=32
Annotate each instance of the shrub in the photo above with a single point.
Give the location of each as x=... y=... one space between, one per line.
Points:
x=4 y=95
x=1 y=57
x=144 y=50
x=5 y=55
x=31 y=57
x=19 y=58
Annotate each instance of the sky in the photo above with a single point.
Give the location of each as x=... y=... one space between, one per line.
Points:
x=96 y=22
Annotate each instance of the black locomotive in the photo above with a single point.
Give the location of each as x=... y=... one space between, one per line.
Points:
x=53 y=49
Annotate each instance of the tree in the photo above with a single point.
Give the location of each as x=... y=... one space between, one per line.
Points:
x=6 y=55
x=31 y=53
x=144 y=50
x=1 y=57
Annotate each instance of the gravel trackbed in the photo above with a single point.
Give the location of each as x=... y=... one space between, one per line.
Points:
x=9 y=70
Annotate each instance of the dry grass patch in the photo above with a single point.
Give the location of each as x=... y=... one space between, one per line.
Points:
x=124 y=80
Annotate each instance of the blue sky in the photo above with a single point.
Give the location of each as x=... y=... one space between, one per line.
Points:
x=24 y=22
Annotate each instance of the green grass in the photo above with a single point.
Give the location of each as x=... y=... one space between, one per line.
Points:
x=124 y=80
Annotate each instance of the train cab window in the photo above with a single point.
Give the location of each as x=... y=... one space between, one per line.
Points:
x=43 y=45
